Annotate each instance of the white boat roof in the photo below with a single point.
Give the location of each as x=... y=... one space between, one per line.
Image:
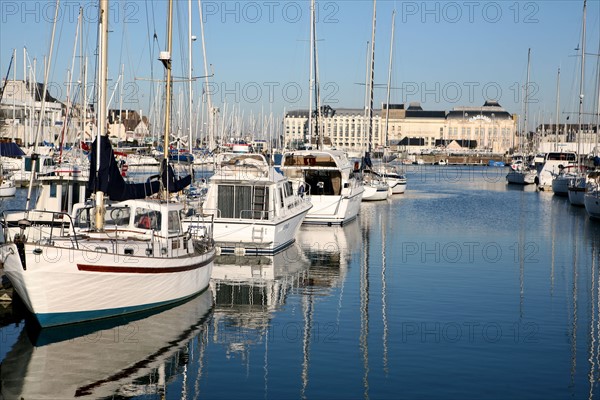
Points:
x=245 y=167
x=326 y=155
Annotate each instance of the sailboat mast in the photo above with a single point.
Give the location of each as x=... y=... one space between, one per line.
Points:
x=166 y=59
x=311 y=84
x=190 y=105
x=42 y=108
x=389 y=81
x=209 y=110
x=372 y=73
x=319 y=137
x=581 y=79
x=102 y=111
x=526 y=98
x=557 y=110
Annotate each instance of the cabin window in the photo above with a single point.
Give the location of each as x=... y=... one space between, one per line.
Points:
x=117 y=216
x=147 y=219
x=82 y=218
x=174 y=222
x=247 y=202
x=53 y=190
x=289 y=189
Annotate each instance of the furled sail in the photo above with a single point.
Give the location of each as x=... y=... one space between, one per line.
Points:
x=109 y=179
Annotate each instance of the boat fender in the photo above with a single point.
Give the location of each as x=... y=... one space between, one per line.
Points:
x=20 y=243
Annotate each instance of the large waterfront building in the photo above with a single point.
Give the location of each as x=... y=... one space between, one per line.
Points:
x=487 y=128
x=20 y=109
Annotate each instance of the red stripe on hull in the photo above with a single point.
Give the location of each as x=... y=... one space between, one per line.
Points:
x=141 y=270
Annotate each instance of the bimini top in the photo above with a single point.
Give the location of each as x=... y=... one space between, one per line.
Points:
x=322 y=159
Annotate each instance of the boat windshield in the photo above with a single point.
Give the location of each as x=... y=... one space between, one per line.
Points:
x=561 y=156
x=320 y=182
x=147 y=219
x=299 y=160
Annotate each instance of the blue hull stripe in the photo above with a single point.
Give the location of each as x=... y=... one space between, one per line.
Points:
x=55 y=319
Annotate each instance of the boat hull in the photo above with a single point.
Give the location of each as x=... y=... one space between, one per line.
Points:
x=576 y=191
x=61 y=285
x=520 y=177
x=8 y=189
x=376 y=192
x=334 y=210
x=592 y=204
x=398 y=187
x=236 y=236
x=560 y=185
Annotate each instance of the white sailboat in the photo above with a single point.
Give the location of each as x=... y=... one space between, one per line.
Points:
x=591 y=198
x=395 y=179
x=376 y=188
x=577 y=186
x=110 y=260
x=522 y=174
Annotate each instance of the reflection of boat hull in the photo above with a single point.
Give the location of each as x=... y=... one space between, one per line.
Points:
x=329 y=250
x=62 y=285
x=521 y=177
x=104 y=359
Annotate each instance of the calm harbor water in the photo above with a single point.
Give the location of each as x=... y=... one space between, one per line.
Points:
x=463 y=287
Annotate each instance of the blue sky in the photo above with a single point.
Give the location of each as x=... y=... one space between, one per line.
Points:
x=446 y=54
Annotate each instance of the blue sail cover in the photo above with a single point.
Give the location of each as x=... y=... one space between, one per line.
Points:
x=10 y=149
x=169 y=181
x=109 y=179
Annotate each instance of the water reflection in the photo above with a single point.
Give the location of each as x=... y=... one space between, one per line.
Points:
x=117 y=357
x=329 y=250
x=247 y=292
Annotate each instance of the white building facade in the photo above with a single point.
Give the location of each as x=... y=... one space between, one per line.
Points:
x=488 y=128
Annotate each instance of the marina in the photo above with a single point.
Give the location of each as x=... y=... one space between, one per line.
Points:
x=167 y=231
x=396 y=300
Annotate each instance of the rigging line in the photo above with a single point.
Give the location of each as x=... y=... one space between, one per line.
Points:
x=53 y=67
x=183 y=46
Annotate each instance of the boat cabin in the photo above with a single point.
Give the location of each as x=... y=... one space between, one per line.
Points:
x=59 y=192
x=320 y=172
x=133 y=216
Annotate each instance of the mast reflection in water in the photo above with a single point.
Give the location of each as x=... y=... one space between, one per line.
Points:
x=463 y=287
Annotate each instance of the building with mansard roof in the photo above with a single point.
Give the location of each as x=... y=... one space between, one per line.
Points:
x=409 y=127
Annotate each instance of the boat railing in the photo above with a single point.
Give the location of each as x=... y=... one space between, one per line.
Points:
x=201 y=226
x=256 y=214
x=38 y=226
